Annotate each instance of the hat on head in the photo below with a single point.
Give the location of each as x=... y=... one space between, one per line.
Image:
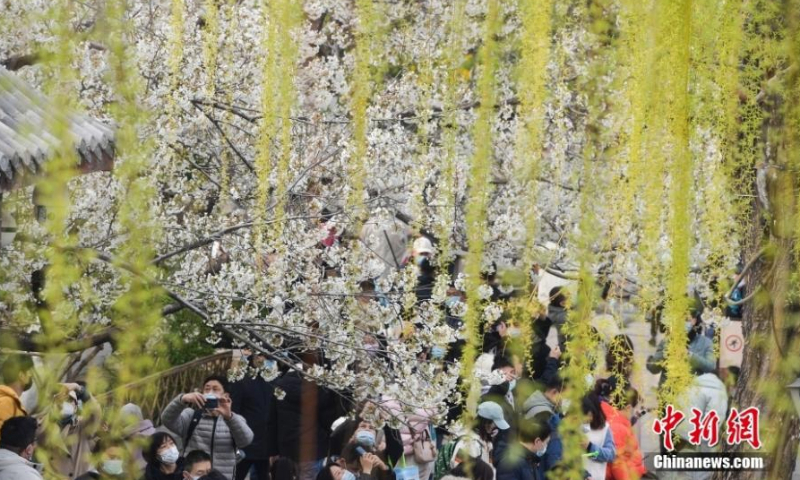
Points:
x=423 y=245
x=494 y=412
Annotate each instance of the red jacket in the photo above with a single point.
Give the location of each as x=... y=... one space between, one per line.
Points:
x=628 y=465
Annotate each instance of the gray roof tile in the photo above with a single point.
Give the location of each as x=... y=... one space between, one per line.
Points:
x=26 y=141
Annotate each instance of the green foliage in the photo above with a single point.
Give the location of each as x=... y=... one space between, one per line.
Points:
x=185 y=338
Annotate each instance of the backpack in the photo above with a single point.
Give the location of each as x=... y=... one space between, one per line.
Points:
x=442 y=465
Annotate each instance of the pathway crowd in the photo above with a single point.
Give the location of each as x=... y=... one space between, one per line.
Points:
x=239 y=430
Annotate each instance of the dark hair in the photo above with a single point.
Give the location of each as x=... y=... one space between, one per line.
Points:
x=284 y=469
x=557 y=296
x=603 y=388
x=606 y=290
x=156 y=441
x=217 y=378
x=17 y=433
x=537 y=427
x=478 y=470
x=325 y=215
x=341 y=436
x=194 y=457
x=554 y=382
x=500 y=361
x=591 y=404
x=482 y=424
x=214 y=474
x=14 y=365
x=325 y=473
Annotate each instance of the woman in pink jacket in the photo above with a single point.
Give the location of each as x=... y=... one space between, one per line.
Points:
x=414 y=425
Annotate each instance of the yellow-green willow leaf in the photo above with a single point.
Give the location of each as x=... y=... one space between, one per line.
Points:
x=360 y=92
x=447 y=182
x=535 y=40
x=211 y=44
x=288 y=15
x=675 y=43
x=479 y=191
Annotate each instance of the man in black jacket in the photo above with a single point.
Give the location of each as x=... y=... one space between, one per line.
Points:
x=298 y=425
x=252 y=398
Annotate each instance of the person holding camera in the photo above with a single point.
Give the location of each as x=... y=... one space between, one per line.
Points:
x=205 y=421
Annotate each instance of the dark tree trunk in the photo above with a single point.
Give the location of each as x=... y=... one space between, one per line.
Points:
x=770 y=320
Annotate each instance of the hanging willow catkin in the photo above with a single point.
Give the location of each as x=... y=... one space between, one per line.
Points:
x=479 y=191
x=228 y=82
x=137 y=311
x=174 y=63
x=288 y=14
x=59 y=312
x=532 y=77
x=675 y=37
x=211 y=45
x=360 y=92
x=267 y=128
x=449 y=126
x=535 y=40
x=651 y=189
x=582 y=344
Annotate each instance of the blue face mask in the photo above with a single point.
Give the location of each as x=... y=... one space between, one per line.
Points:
x=512 y=384
x=365 y=438
x=437 y=352
x=348 y=475
x=451 y=302
x=689 y=325
x=541 y=452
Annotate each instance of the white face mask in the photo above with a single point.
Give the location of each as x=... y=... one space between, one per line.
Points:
x=565 y=405
x=112 y=467
x=67 y=409
x=170 y=456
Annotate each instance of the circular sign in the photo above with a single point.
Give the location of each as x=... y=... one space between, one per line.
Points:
x=734 y=343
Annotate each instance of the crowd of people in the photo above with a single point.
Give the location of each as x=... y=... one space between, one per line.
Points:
x=242 y=429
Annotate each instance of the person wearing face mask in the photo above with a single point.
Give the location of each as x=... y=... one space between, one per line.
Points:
x=196 y=464
x=79 y=417
x=521 y=461
x=17 y=443
x=549 y=400
x=164 y=461
x=205 y=421
x=496 y=339
x=416 y=425
x=628 y=464
x=701 y=349
x=136 y=428
x=111 y=464
x=598 y=441
x=251 y=398
x=17 y=374
x=479 y=443
x=502 y=393
x=365 y=465
x=299 y=424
